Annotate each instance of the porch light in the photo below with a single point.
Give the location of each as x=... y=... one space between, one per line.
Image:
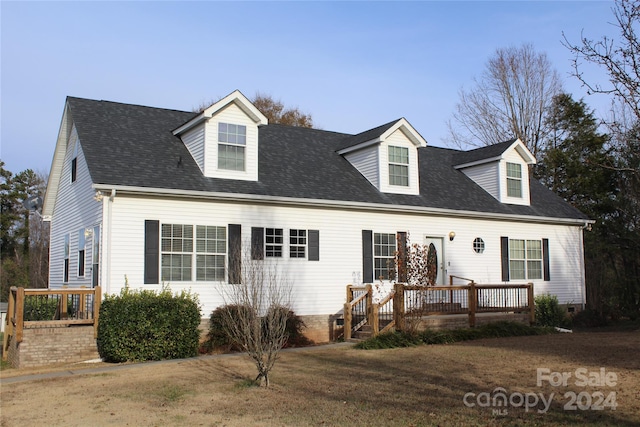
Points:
x=452 y=235
x=98 y=196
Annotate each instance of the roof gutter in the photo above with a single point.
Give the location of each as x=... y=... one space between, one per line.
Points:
x=334 y=204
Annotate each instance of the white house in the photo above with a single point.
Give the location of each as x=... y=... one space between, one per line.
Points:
x=163 y=197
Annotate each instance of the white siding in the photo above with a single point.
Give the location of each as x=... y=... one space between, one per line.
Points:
x=366 y=161
x=486 y=176
x=234 y=115
x=193 y=139
x=320 y=285
x=74 y=210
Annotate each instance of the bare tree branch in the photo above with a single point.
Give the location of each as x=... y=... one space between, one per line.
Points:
x=510 y=100
x=262 y=302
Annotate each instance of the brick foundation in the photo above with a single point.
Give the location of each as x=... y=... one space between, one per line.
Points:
x=45 y=346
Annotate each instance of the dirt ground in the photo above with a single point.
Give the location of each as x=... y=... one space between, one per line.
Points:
x=426 y=385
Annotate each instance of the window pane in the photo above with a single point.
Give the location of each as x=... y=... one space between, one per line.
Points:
x=230 y=157
x=516 y=249
x=534 y=270
x=516 y=270
x=514 y=188
x=534 y=249
x=398 y=155
x=233 y=134
x=514 y=170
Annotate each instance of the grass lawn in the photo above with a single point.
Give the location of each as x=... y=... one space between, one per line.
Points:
x=416 y=386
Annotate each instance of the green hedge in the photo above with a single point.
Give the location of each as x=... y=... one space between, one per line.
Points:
x=148 y=325
x=550 y=313
x=39 y=307
x=430 y=336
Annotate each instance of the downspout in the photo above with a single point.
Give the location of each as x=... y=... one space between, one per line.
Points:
x=583 y=272
x=107 y=289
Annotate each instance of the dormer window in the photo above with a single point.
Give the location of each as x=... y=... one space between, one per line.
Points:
x=399 y=166
x=232 y=140
x=514 y=180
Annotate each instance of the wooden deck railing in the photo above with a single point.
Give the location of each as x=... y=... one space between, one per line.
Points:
x=29 y=308
x=420 y=301
x=357 y=309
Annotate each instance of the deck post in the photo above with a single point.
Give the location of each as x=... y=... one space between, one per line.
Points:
x=532 y=304
x=398 y=306
x=472 y=301
x=9 y=325
x=375 y=318
x=19 y=313
x=347 y=321
x=97 y=300
x=369 y=303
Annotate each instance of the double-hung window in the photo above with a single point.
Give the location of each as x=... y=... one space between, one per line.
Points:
x=211 y=243
x=232 y=140
x=297 y=243
x=81 y=252
x=273 y=242
x=525 y=259
x=399 y=166
x=177 y=252
x=514 y=180
x=384 y=247
x=65 y=274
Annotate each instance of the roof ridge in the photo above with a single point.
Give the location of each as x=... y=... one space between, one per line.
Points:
x=130 y=105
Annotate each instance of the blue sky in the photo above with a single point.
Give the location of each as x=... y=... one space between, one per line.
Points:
x=352 y=65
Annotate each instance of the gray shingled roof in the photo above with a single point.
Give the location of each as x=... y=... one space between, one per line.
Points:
x=131 y=145
x=367 y=135
x=482 y=153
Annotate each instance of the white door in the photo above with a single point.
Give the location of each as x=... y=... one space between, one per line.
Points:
x=437 y=244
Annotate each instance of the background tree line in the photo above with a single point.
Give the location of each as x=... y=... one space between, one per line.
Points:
x=24 y=237
x=592 y=162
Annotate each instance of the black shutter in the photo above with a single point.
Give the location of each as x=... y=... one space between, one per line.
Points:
x=151 y=252
x=257 y=243
x=367 y=256
x=504 y=254
x=545 y=259
x=402 y=256
x=235 y=253
x=314 y=245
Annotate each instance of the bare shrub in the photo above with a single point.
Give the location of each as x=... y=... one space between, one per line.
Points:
x=259 y=328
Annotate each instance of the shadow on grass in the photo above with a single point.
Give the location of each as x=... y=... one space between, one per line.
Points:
x=427 y=385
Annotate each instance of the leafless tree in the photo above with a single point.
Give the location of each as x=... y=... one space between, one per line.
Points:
x=509 y=100
x=620 y=58
x=261 y=302
x=39 y=241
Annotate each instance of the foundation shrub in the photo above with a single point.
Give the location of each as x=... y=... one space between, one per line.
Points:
x=148 y=325
x=38 y=307
x=430 y=336
x=220 y=341
x=550 y=313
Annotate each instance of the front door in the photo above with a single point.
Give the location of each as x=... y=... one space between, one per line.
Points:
x=439 y=254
